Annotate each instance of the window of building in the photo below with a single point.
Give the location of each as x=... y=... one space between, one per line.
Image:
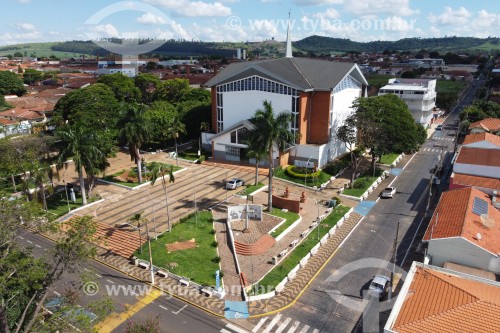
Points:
x=233 y=137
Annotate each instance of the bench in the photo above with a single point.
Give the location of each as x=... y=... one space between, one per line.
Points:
x=304 y=234
x=294 y=242
x=207 y=291
x=283 y=253
x=184 y=282
x=143 y=265
x=162 y=273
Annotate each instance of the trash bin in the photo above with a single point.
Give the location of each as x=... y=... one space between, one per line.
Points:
x=332 y=203
x=134 y=261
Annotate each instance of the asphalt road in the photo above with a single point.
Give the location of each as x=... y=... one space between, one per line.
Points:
x=175 y=316
x=337 y=300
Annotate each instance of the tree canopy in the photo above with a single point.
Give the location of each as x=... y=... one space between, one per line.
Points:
x=123 y=87
x=386 y=125
x=11 y=84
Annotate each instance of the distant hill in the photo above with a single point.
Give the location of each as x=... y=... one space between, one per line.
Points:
x=319 y=44
x=316 y=45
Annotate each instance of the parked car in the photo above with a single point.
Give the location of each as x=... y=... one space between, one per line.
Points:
x=439 y=127
x=234 y=183
x=388 y=192
x=379 y=286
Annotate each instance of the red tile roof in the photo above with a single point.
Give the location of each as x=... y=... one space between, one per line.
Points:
x=447 y=303
x=454 y=217
x=488 y=124
x=479 y=156
x=5 y=121
x=484 y=136
x=20 y=113
x=476 y=181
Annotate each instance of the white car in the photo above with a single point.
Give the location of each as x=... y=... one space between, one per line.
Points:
x=388 y=192
x=379 y=286
x=234 y=183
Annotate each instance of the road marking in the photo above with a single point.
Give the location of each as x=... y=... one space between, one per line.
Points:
x=259 y=325
x=272 y=323
x=21 y=237
x=164 y=308
x=29 y=241
x=38 y=246
x=180 y=309
x=294 y=327
x=236 y=328
x=305 y=329
x=88 y=270
x=109 y=281
x=283 y=325
x=116 y=319
x=55 y=292
x=225 y=331
x=98 y=275
x=315 y=330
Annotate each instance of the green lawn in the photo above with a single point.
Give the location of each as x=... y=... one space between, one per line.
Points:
x=281 y=271
x=40 y=50
x=197 y=263
x=279 y=172
x=376 y=79
x=250 y=189
x=57 y=204
x=363 y=183
x=389 y=158
x=445 y=86
x=290 y=218
x=112 y=179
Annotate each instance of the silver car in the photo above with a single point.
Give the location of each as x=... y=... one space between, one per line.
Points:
x=234 y=183
x=388 y=192
x=379 y=286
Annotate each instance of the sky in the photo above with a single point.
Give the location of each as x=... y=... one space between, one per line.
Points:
x=28 y=21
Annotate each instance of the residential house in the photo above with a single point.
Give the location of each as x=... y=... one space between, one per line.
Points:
x=481 y=162
x=437 y=300
x=489 y=184
x=465 y=229
x=490 y=125
x=418 y=94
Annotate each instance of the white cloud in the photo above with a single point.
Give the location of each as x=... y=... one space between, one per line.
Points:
x=26 y=27
x=451 y=17
x=485 y=20
x=317 y=2
x=330 y=13
x=389 y=7
x=149 y=18
x=193 y=8
x=105 y=30
x=24 y=1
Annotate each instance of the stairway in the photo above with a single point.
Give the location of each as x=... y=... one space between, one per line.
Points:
x=262 y=245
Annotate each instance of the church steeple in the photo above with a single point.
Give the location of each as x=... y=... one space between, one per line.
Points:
x=288 y=53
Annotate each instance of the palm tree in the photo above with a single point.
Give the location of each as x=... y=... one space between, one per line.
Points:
x=160 y=170
x=258 y=154
x=41 y=175
x=176 y=128
x=270 y=131
x=136 y=221
x=81 y=145
x=135 y=130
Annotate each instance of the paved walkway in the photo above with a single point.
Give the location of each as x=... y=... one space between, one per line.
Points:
x=120 y=204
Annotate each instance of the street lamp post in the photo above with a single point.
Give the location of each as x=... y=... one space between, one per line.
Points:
x=195 y=207
x=67 y=199
x=394 y=258
x=150 y=254
x=317 y=218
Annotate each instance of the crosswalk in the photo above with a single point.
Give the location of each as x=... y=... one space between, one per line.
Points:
x=444 y=138
x=434 y=150
x=276 y=324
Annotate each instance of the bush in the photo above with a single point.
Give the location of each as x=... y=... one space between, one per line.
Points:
x=216 y=259
x=301 y=173
x=212 y=232
x=201 y=159
x=335 y=167
x=215 y=243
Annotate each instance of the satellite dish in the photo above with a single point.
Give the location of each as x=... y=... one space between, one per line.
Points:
x=478 y=236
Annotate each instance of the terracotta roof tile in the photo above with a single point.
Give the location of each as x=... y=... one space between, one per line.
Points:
x=479 y=156
x=454 y=217
x=476 y=181
x=484 y=136
x=489 y=124
x=5 y=121
x=446 y=303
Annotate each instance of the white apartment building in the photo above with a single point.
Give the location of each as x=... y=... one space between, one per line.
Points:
x=418 y=94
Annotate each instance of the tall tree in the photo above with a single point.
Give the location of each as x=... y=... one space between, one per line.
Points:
x=10 y=84
x=348 y=135
x=123 y=87
x=271 y=132
x=79 y=144
x=148 y=84
x=159 y=170
x=135 y=131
